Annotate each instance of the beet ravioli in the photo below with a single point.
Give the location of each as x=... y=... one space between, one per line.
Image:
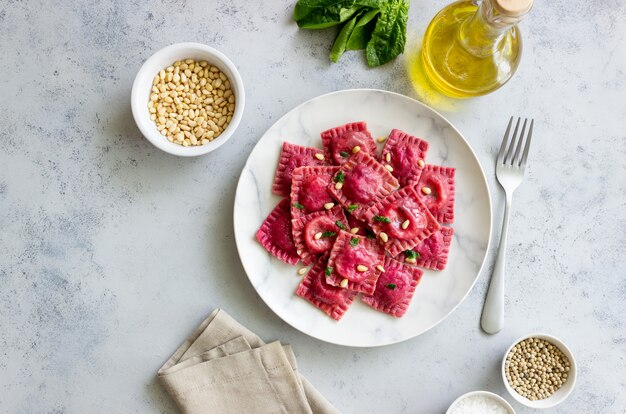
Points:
x=366 y=223
x=355 y=263
x=315 y=233
x=309 y=189
x=332 y=300
x=436 y=190
x=360 y=182
x=340 y=142
x=431 y=253
x=401 y=221
x=395 y=288
x=275 y=234
x=291 y=157
x=405 y=155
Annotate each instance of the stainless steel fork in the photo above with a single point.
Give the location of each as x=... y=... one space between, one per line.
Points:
x=510 y=167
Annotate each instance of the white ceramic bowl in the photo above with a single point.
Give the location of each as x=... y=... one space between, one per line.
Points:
x=143 y=85
x=562 y=393
x=485 y=394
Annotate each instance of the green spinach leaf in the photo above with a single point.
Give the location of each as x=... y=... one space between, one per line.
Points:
x=320 y=14
x=372 y=4
x=389 y=35
x=342 y=40
x=362 y=32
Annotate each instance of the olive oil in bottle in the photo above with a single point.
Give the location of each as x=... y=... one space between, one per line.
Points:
x=471 y=49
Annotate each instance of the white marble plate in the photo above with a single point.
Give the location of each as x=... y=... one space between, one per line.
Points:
x=438 y=293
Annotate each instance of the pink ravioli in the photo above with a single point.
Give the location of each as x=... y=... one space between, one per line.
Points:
x=309 y=189
x=275 y=234
x=349 y=253
x=405 y=153
x=363 y=181
x=398 y=210
x=440 y=199
x=431 y=253
x=338 y=142
x=395 y=288
x=291 y=157
x=326 y=223
x=334 y=301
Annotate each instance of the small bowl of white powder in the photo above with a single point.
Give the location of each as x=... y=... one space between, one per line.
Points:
x=480 y=402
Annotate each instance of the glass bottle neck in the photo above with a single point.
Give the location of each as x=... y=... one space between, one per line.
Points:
x=481 y=34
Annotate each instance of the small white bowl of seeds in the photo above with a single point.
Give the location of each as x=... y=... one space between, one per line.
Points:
x=539 y=371
x=188 y=99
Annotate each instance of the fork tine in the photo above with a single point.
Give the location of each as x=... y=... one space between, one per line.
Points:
x=509 y=154
x=516 y=158
x=504 y=142
x=522 y=163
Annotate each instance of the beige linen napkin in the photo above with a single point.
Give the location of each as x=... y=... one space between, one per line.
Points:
x=224 y=368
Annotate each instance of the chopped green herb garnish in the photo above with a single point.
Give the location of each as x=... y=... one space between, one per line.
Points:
x=391 y=286
x=339 y=177
x=354 y=242
x=343 y=154
x=298 y=206
x=410 y=254
x=329 y=271
x=382 y=219
x=329 y=234
x=340 y=225
x=352 y=207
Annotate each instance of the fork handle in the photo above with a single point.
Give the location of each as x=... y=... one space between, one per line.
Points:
x=492 y=320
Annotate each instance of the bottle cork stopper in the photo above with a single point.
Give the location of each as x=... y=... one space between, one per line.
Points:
x=513 y=8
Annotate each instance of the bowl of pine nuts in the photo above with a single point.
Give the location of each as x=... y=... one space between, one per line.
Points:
x=539 y=371
x=188 y=99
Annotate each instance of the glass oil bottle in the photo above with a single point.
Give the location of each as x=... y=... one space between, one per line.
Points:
x=471 y=49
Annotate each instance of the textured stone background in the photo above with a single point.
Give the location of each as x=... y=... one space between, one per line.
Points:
x=111 y=251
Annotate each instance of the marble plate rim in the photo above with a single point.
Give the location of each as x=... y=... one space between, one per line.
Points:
x=427 y=108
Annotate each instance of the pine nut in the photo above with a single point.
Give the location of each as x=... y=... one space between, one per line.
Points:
x=319 y=156
x=328 y=206
x=380 y=268
x=426 y=190
x=383 y=236
x=302 y=271
x=406 y=223
x=356 y=149
x=389 y=167
x=191 y=102
x=318 y=235
x=388 y=157
x=420 y=163
x=381 y=139
x=354 y=230
x=361 y=268
x=339 y=186
x=411 y=260
x=344 y=283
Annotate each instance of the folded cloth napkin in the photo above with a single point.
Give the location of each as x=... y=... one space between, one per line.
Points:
x=224 y=368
